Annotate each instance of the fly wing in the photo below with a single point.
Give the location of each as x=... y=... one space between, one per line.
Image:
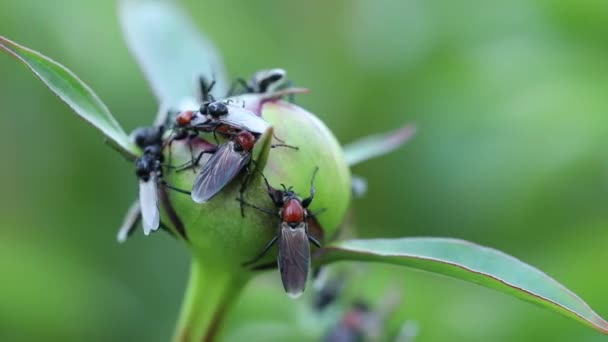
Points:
x=223 y=166
x=294 y=258
x=148 y=201
x=130 y=222
x=244 y=119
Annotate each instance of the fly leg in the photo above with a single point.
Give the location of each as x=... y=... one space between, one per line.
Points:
x=275 y=195
x=243 y=188
x=217 y=143
x=205 y=89
x=317 y=213
x=166 y=228
x=185 y=192
x=238 y=82
x=192 y=152
x=285 y=145
x=306 y=202
x=194 y=162
x=269 y=212
x=264 y=251
x=313 y=240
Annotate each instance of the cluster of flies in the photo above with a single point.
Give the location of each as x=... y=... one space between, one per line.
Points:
x=239 y=129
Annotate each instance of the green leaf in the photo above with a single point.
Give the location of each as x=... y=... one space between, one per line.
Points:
x=170 y=50
x=467 y=261
x=377 y=145
x=79 y=96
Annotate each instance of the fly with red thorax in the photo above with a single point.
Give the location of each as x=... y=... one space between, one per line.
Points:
x=227 y=161
x=212 y=116
x=293 y=236
x=223 y=166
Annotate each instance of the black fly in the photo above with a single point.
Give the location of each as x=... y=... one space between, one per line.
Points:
x=263 y=81
x=213 y=115
x=149 y=171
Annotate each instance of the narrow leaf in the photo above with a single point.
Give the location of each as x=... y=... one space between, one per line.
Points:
x=467 y=261
x=170 y=50
x=377 y=145
x=74 y=92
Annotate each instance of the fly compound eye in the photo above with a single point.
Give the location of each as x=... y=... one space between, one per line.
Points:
x=217 y=109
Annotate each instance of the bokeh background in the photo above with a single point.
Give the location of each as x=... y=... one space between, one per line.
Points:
x=510 y=100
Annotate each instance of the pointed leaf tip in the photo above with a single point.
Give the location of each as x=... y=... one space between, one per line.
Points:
x=73 y=91
x=470 y=262
x=377 y=145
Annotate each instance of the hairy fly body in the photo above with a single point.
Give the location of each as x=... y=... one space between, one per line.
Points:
x=223 y=166
x=293 y=236
x=149 y=171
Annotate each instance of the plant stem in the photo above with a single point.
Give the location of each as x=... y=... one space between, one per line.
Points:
x=212 y=289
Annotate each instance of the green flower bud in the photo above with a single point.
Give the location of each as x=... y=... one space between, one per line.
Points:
x=216 y=230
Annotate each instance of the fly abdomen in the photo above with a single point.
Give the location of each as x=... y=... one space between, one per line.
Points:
x=294 y=258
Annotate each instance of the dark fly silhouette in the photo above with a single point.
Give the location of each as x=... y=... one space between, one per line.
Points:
x=263 y=81
x=223 y=166
x=352 y=327
x=149 y=171
x=364 y=323
x=293 y=236
x=226 y=163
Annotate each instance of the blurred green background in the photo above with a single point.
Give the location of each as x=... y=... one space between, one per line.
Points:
x=511 y=103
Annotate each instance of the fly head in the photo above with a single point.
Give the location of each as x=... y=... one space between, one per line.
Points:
x=217 y=109
x=147 y=136
x=244 y=141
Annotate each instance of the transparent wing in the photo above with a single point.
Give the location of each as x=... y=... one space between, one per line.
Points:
x=148 y=201
x=129 y=223
x=223 y=166
x=294 y=259
x=244 y=119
